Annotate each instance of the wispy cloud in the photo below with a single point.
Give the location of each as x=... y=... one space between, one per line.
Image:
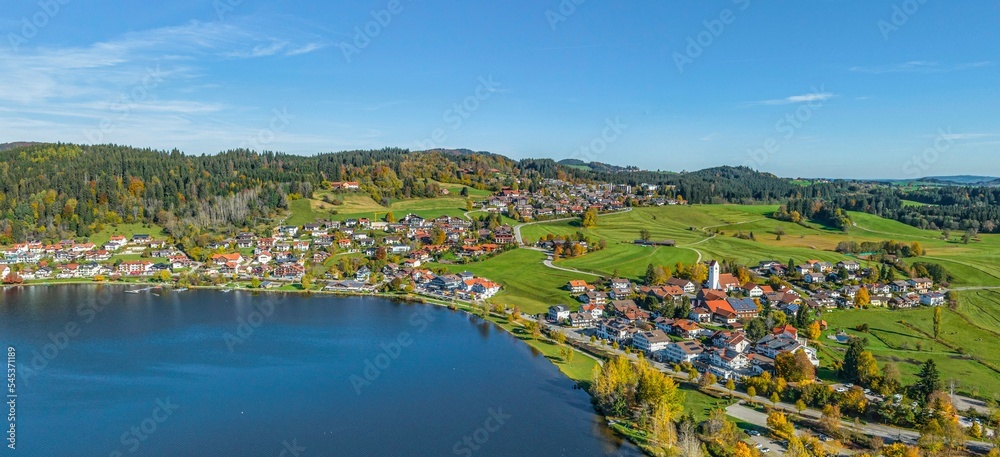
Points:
x=260 y=50
x=803 y=98
x=309 y=47
x=920 y=66
x=966 y=136
x=141 y=87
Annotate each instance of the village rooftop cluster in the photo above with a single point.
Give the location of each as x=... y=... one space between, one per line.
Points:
x=708 y=332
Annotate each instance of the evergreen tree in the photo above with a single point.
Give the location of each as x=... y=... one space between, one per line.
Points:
x=849 y=371
x=928 y=381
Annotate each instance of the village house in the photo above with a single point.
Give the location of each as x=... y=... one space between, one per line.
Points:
x=594 y=298
x=138 y=267
x=594 y=309
x=651 y=341
x=558 y=313
x=224 y=259
x=745 y=308
x=582 y=320
x=616 y=330
x=627 y=309
x=577 y=286
x=932 y=299
x=682 y=351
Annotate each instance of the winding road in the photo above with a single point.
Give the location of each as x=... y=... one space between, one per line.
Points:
x=700 y=256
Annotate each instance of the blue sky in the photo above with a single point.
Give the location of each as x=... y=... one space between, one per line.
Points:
x=818 y=88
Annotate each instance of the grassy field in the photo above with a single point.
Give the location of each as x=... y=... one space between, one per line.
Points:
x=127 y=230
x=686 y=225
x=904 y=338
x=972 y=264
x=301 y=212
x=526 y=282
x=913 y=203
x=358 y=204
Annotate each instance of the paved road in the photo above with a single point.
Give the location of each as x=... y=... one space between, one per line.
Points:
x=688 y=246
x=548 y=262
x=758 y=419
x=887 y=433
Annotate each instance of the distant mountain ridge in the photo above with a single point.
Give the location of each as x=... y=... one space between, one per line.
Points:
x=597 y=166
x=16 y=144
x=963 y=180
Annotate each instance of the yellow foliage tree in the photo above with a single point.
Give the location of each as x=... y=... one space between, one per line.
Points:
x=780 y=427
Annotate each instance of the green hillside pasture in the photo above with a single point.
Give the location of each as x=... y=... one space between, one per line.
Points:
x=127 y=230
x=981 y=307
x=892 y=339
x=358 y=205
x=526 y=282
x=302 y=212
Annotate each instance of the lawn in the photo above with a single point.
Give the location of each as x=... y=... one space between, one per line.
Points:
x=526 y=282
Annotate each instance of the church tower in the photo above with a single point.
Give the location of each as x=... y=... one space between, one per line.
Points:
x=714 y=272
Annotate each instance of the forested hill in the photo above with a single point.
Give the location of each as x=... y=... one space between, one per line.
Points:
x=55 y=191
x=19 y=144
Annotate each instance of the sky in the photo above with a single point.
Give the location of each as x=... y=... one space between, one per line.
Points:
x=839 y=89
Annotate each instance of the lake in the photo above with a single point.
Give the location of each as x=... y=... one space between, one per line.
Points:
x=102 y=372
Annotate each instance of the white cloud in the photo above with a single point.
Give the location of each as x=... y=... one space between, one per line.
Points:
x=145 y=88
x=260 y=50
x=814 y=96
x=310 y=47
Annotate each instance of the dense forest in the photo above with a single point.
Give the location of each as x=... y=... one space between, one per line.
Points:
x=57 y=191
x=933 y=207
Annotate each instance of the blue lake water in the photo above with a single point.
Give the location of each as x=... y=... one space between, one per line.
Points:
x=205 y=373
